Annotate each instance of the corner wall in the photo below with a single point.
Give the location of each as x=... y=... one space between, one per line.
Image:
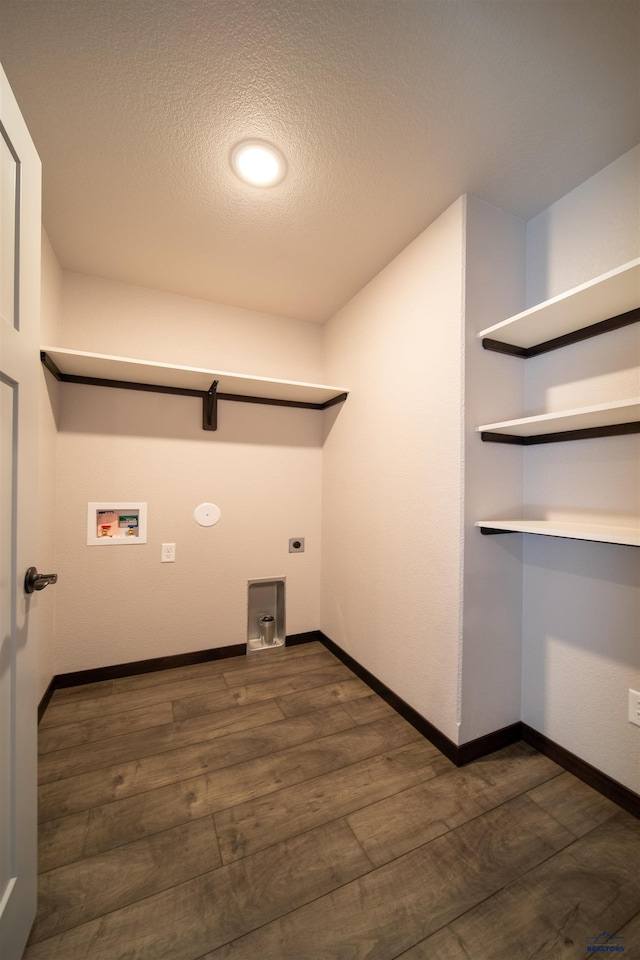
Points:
x=581 y=614
x=392 y=483
x=262 y=467
x=493 y=477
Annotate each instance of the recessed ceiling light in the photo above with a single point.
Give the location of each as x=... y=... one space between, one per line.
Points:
x=258 y=163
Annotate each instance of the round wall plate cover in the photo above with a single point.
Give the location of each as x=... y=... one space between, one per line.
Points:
x=206 y=514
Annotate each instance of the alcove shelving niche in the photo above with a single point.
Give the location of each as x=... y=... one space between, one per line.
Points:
x=607 y=303
x=103 y=370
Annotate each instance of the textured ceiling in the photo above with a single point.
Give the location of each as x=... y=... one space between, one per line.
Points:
x=387 y=110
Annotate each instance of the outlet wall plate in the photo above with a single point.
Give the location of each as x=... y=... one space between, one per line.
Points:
x=168 y=554
x=296 y=545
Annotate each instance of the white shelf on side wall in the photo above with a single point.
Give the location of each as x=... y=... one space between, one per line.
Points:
x=600 y=533
x=609 y=301
x=618 y=416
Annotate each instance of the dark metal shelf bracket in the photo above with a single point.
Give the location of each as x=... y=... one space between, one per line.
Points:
x=576 y=336
x=210 y=408
x=585 y=433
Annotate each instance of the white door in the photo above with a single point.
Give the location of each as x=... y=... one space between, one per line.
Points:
x=19 y=385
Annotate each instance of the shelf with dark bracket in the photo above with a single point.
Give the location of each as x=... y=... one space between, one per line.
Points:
x=211 y=386
x=619 y=418
x=571 y=530
x=607 y=303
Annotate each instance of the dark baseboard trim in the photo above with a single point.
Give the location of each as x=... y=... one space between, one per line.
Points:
x=311 y=636
x=489 y=743
x=438 y=739
x=118 y=670
x=483 y=746
x=595 y=778
x=114 y=672
x=147 y=666
x=46 y=696
x=458 y=754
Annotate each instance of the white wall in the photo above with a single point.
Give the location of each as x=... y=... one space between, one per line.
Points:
x=581 y=616
x=392 y=483
x=494 y=386
x=262 y=467
x=118 y=318
x=592 y=229
x=394 y=461
x=50 y=323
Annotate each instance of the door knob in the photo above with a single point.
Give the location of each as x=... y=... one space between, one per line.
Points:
x=38 y=581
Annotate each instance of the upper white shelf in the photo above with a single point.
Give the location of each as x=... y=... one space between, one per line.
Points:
x=584 y=418
x=98 y=366
x=614 y=293
x=600 y=533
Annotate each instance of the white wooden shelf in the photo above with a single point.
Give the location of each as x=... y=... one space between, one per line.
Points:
x=605 y=303
x=602 y=419
x=76 y=366
x=601 y=533
x=105 y=367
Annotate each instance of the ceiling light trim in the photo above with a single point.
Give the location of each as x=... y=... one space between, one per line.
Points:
x=258 y=163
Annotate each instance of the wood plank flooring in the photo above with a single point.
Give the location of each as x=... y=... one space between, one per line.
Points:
x=273 y=808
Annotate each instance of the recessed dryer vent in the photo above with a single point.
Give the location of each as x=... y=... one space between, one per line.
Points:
x=266 y=615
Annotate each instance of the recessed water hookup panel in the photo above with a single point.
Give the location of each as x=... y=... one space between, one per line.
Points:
x=120 y=523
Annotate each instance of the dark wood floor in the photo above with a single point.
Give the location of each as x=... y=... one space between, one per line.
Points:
x=273 y=808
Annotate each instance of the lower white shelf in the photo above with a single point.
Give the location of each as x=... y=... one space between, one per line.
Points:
x=601 y=533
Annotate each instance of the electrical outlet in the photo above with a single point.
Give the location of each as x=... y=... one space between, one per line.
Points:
x=168 y=554
x=634 y=707
x=296 y=545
